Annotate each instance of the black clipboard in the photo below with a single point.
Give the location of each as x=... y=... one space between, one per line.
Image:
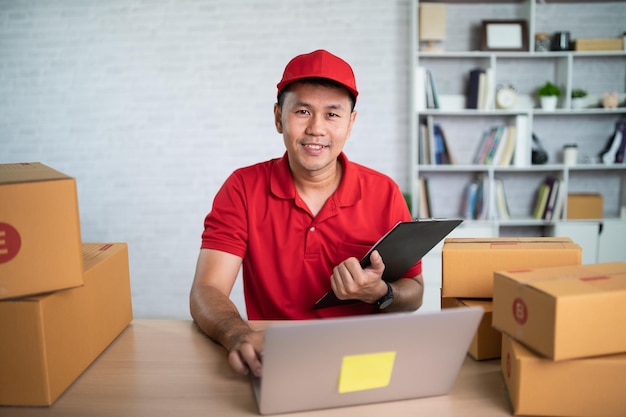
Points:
x=401 y=247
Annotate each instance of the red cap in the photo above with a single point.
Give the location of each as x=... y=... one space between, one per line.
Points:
x=319 y=64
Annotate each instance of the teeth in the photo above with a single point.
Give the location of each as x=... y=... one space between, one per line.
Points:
x=314 y=146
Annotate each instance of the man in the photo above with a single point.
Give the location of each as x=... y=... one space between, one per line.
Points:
x=299 y=224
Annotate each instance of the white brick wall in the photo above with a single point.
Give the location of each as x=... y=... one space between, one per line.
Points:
x=150 y=104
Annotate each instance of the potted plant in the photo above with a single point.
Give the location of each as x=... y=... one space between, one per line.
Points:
x=548 y=95
x=578 y=98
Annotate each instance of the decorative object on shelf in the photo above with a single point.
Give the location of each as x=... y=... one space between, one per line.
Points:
x=570 y=154
x=504 y=35
x=600 y=44
x=560 y=41
x=506 y=96
x=615 y=148
x=542 y=42
x=579 y=98
x=432 y=27
x=548 y=95
x=538 y=156
x=610 y=100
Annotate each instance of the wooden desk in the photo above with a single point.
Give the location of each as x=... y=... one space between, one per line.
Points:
x=168 y=368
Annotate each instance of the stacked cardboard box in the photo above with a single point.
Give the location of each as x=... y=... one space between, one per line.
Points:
x=564 y=345
x=468 y=267
x=62 y=302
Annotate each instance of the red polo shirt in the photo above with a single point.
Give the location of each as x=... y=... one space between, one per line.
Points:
x=288 y=254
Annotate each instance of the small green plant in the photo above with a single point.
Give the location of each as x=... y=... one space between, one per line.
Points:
x=579 y=93
x=548 y=89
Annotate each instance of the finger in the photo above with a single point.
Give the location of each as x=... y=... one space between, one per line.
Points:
x=376 y=261
x=251 y=359
x=237 y=364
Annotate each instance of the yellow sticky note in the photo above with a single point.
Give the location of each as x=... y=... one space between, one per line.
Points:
x=366 y=371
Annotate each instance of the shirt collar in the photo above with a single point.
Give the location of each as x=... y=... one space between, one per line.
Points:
x=348 y=193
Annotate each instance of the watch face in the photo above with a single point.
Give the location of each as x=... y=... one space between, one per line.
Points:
x=506 y=98
x=385 y=303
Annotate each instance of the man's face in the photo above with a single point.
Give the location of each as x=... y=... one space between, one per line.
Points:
x=315 y=122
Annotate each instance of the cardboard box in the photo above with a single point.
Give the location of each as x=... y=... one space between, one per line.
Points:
x=564 y=312
x=584 y=206
x=487 y=341
x=599 y=44
x=468 y=264
x=49 y=340
x=580 y=387
x=40 y=242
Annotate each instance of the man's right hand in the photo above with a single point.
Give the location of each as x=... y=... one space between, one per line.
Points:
x=245 y=354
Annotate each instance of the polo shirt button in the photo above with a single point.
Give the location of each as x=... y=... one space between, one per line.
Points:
x=312 y=229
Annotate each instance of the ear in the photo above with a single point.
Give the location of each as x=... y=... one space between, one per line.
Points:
x=278 y=122
x=352 y=119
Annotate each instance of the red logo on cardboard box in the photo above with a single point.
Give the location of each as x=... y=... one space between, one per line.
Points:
x=10 y=242
x=520 y=311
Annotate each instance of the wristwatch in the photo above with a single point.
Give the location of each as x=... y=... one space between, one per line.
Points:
x=386 y=300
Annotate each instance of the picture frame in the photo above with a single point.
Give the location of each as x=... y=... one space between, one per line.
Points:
x=504 y=35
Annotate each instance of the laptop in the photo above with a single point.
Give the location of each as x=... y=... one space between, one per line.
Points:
x=358 y=360
x=400 y=248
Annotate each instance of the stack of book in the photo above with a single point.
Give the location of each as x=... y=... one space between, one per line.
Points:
x=480 y=89
x=475 y=201
x=496 y=146
x=433 y=145
x=427 y=94
x=550 y=200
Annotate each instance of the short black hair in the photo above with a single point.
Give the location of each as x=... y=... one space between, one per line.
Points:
x=316 y=81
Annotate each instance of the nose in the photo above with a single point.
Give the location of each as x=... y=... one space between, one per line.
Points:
x=316 y=125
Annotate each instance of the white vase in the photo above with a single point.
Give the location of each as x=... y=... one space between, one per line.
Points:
x=578 y=103
x=548 y=103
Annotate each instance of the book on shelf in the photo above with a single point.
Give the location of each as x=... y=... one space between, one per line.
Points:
x=548 y=204
x=433 y=145
x=541 y=198
x=423 y=145
x=521 y=155
x=473 y=88
x=502 y=206
x=496 y=147
x=432 y=88
x=508 y=147
x=420 y=88
x=559 y=206
x=483 y=146
x=500 y=133
x=488 y=88
x=475 y=201
x=553 y=184
x=427 y=96
x=424 y=210
x=443 y=156
x=480 y=92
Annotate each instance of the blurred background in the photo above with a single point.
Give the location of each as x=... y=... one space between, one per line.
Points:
x=151 y=104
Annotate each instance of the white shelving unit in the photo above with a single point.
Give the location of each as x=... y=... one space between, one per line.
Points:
x=589 y=128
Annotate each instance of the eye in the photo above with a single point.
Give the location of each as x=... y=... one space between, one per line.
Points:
x=303 y=112
x=333 y=115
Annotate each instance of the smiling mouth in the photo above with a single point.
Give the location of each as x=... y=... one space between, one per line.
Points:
x=315 y=146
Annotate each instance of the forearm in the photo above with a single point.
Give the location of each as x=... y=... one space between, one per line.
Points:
x=407 y=294
x=217 y=316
